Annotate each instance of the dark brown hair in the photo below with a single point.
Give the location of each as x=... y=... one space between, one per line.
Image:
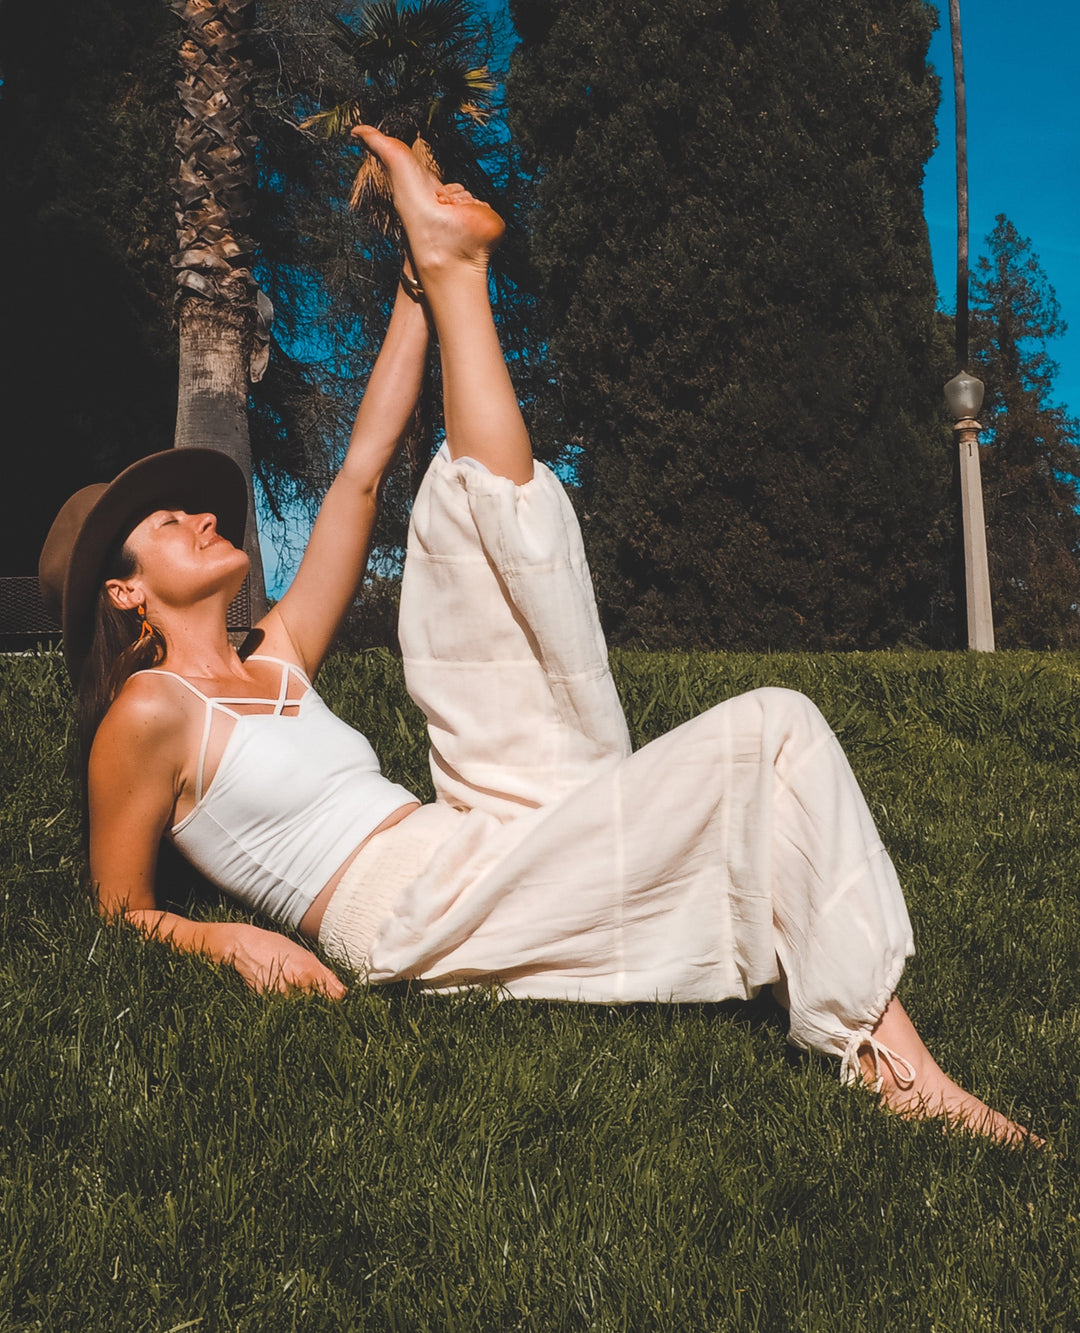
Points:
x=117 y=650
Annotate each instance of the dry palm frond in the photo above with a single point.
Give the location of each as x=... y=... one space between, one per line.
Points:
x=463 y=93
x=371 y=186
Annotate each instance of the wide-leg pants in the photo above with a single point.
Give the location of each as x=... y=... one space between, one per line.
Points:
x=730 y=853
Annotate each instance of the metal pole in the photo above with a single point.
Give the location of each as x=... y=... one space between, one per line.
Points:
x=960 y=102
x=980 y=619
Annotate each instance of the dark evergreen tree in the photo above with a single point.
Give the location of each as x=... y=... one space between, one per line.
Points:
x=1031 y=454
x=739 y=294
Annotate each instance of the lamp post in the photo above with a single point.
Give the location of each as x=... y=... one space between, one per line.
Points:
x=964 y=395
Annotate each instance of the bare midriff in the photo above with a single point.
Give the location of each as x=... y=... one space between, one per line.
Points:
x=312 y=920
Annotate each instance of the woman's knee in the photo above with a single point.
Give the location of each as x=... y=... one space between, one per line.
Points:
x=756 y=719
x=779 y=706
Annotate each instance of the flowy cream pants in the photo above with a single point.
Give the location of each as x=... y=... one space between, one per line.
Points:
x=733 y=851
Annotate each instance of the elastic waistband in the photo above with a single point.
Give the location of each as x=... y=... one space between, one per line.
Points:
x=385 y=866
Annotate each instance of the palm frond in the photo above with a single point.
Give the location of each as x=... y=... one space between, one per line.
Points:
x=462 y=93
x=336 y=121
x=371 y=186
x=480 y=80
x=416 y=72
x=429 y=23
x=371 y=189
x=387 y=30
x=480 y=114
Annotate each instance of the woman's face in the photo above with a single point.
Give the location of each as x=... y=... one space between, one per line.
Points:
x=182 y=557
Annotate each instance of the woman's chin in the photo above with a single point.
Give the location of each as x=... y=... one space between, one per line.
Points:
x=242 y=566
x=228 y=574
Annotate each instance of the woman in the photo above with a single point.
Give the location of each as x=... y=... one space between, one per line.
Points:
x=734 y=853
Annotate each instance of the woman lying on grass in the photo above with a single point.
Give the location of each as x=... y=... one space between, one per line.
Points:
x=736 y=852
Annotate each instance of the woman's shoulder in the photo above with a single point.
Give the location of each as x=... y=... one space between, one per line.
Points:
x=150 y=707
x=139 y=753
x=155 y=686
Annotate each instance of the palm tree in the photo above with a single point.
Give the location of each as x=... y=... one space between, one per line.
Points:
x=222 y=314
x=417 y=76
x=417 y=79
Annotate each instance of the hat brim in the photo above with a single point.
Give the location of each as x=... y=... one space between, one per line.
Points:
x=196 y=480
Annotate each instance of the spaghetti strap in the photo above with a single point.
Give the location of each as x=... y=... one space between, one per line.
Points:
x=283 y=691
x=220 y=704
x=208 y=720
x=281 y=662
x=204 y=745
x=278 y=703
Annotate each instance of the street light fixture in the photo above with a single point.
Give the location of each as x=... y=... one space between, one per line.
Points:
x=964 y=395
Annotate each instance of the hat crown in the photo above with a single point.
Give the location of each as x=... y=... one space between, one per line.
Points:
x=60 y=543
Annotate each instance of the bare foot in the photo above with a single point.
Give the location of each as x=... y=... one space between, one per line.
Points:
x=909 y=1081
x=445 y=225
x=932 y=1095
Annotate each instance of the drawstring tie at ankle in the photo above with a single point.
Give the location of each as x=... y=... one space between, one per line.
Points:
x=851 y=1070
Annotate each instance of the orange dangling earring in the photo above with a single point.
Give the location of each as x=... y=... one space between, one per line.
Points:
x=146 y=630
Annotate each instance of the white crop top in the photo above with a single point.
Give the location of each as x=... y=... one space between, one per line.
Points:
x=295 y=792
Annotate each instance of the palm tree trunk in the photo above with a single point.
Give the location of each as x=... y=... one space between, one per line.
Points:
x=223 y=316
x=212 y=405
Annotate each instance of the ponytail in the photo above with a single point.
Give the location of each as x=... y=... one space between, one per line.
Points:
x=122 y=643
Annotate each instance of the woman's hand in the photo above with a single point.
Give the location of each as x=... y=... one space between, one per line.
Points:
x=268 y=961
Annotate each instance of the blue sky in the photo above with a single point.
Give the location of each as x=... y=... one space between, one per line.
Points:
x=1023 y=158
x=1023 y=150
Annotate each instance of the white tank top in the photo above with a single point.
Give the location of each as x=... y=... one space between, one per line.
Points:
x=296 y=791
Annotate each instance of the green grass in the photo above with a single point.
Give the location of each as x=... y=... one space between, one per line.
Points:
x=178 y=1153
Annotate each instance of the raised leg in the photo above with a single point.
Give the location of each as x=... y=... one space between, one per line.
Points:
x=451 y=236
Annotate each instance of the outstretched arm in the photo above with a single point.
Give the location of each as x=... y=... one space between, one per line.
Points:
x=310 y=613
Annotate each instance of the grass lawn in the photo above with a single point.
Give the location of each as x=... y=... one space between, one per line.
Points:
x=177 y=1153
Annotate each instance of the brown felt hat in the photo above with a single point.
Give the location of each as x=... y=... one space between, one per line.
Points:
x=71 y=568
